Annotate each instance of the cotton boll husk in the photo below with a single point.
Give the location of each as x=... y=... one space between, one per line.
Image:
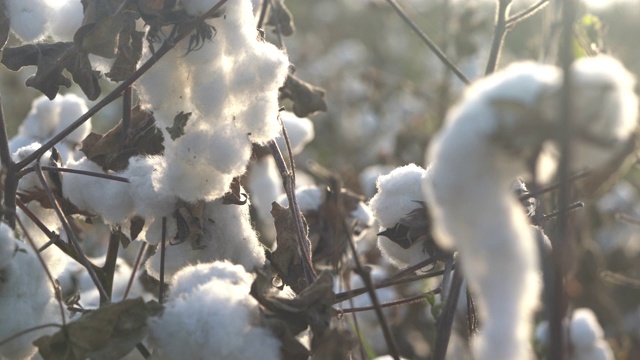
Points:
x=398 y=194
x=26 y=298
x=29 y=18
x=299 y=130
x=584 y=329
x=148 y=200
x=217 y=319
x=192 y=277
x=108 y=198
x=66 y=19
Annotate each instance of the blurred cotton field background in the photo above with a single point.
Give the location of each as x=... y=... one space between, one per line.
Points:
x=407 y=213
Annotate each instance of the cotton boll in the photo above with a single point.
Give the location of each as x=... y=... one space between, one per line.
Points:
x=89 y=295
x=19 y=141
x=216 y=320
x=29 y=18
x=584 y=329
x=474 y=160
x=369 y=176
x=148 y=200
x=66 y=19
x=192 y=180
x=209 y=93
x=192 y=277
x=398 y=194
x=26 y=297
x=42 y=119
x=299 y=130
x=309 y=198
x=260 y=119
x=70 y=108
x=107 y=198
x=31 y=182
x=265 y=185
x=228 y=235
x=600 y=350
x=154 y=232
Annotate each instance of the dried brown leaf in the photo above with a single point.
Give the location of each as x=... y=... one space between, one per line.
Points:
x=280 y=18
x=286 y=259
x=179 y=122
x=109 y=332
x=235 y=196
x=4 y=24
x=307 y=99
x=52 y=60
x=189 y=218
x=108 y=151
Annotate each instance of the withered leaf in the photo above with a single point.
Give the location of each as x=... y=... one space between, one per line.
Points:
x=189 y=218
x=286 y=259
x=280 y=18
x=306 y=98
x=129 y=53
x=137 y=223
x=336 y=343
x=102 y=25
x=4 y=24
x=179 y=122
x=234 y=196
x=311 y=307
x=109 y=332
x=109 y=151
x=52 y=60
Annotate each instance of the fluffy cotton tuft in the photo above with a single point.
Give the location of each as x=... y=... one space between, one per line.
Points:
x=228 y=235
x=299 y=130
x=26 y=297
x=28 y=18
x=66 y=19
x=265 y=186
x=230 y=87
x=216 y=319
x=107 y=198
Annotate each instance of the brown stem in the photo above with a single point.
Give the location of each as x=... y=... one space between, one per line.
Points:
x=499 y=32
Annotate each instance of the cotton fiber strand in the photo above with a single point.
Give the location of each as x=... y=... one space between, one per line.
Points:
x=216 y=319
x=26 y=297
x=28 y=18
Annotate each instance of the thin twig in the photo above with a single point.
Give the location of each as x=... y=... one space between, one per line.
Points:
x=407 y=300
x=76 y=171
x=445 y=321
x=535 y=192
x=342 y=296
x=167 y=45
x=70 y=232
x=620 y=279
x=5 y=153
x=303 y=241
x=499 y=32
x=56 y=289
x=281 y=44
x=576 y=205
x=26 y=331
x=432 y=45
x=136 y=267
x=127 y=94
x=163 y=247
x=110 y=261
x=562 y=242
x=11 y=180
x=530 y=11
x=263 y=13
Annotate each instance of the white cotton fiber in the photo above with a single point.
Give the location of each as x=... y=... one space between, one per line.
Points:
x=217 y=319
x=30 y=182
x=28 y=18
x=299 y=130
x=584 y=329
x=309 y=198
x=398 y=194
x=265 y=186
x=70 y=108
x=66 y=19
x=108 y=198
x=26 y=297
x=148 y=201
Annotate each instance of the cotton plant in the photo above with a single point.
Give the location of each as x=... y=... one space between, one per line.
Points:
x=585 y=336
x=27 y=297
x=210 y=315
x=488 y=138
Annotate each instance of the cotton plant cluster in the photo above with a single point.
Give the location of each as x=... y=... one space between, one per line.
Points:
x=210 y=315
x=585 y=336
x=230 y=88
x=484 y=146
x=399 y=193
x=27 y=297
